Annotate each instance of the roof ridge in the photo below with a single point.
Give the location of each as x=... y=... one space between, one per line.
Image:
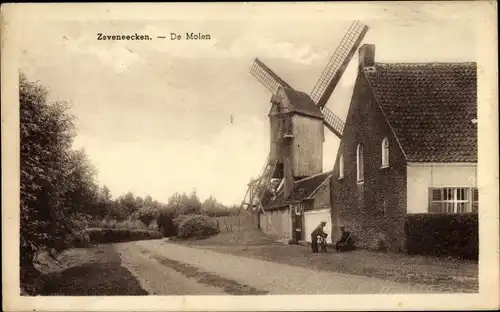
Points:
x=313 y=176
x=320 y=185
x=426 y=63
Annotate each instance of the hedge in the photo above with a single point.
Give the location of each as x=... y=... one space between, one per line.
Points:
x=100 y=236
x=443 y=235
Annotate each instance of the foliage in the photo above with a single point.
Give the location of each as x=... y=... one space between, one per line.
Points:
x=60 y=198
x=197 y=227
x=211 y=207
x=178 y=221
x=454 y=235
x=165 y=222
x=100 y=236
x=130 y=224
x=58 y=185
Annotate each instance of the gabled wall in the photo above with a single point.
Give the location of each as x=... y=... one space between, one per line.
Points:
x=375 y=210
x=422 y=176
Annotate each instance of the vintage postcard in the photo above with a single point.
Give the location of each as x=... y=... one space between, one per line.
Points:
x=250 y=156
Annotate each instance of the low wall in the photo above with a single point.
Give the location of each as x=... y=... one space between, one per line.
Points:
x=276 y=223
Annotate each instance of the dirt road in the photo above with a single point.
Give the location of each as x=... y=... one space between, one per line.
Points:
x=165 y=268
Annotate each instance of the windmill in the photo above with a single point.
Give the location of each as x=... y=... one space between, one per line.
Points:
x=297 y=123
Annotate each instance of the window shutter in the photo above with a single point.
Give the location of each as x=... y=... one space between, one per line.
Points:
x=435 y=200
x=430 y=192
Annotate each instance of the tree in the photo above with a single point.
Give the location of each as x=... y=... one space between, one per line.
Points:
x=192 y=204
x=149 y=210
x=103 y=208
x=176 y=203
x=57 y=184
x=129 y=203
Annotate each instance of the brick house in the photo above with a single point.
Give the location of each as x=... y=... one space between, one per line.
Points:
x=409 y=146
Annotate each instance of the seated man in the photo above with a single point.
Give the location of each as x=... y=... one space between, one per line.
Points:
x=314 y=235
x=345 y=242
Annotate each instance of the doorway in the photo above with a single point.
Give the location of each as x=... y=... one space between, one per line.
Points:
x=299 y=222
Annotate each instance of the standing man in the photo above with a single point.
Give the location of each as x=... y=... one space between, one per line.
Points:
x=314 y=235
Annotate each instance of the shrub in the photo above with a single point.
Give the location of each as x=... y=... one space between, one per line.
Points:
x=178 y=221
x=165 y=222
x=100 y=236
x=153 y=226
x=453 y=235
x=130 y=224
x=197 y=227
x=79 y=239
x=146 y=216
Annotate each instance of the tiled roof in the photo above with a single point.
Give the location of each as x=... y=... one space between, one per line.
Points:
x=303 y=189
x=302 y=103
x=430 y=107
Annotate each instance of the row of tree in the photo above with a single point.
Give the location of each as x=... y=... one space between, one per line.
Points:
x=146 y=209
x=59 y=193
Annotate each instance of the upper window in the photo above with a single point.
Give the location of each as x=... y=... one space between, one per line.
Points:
x=341 y=166
x=385 y=152
x=453 y=200
x=359 y=162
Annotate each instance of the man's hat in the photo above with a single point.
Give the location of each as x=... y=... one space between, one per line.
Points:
x=323 y=222
x=342 y=227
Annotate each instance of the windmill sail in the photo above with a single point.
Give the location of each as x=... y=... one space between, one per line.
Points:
x=332 y=122
x=338 y=63
x=267 y=77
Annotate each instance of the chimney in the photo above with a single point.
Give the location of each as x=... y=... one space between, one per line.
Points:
x=366 y=54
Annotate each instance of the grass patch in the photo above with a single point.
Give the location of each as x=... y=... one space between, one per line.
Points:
x=99 y=274
x=443 y=274
x=252 y=237
x=229 y=286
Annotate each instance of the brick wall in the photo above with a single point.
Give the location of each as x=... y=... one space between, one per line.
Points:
x=375 y=210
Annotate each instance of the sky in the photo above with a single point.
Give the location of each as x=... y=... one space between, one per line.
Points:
x=155 y=116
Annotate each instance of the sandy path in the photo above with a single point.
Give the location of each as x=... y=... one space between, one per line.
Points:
x=158 y=279
x=274 y=278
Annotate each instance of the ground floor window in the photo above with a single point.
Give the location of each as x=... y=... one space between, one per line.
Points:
x=453 y=200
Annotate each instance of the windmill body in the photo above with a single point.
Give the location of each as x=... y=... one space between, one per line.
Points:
x=296 y=136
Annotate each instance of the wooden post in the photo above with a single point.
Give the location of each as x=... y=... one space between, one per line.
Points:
x=288 y=169
x=258 y=216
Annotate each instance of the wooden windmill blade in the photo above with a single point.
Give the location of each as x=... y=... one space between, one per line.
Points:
x=333 y=122
x=267 y=77
x=338 y=63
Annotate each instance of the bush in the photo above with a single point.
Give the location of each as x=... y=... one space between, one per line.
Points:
x=197 y=227
x=453 y=235
x=165 y=222
x=80 y=239
x=178 y=221
x=130 y=224
x=100 y=236
x=146 y=216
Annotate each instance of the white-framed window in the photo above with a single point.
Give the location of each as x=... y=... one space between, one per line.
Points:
x=385 y=152
x=359 y=163
x=341 y=167
x=453 y=200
